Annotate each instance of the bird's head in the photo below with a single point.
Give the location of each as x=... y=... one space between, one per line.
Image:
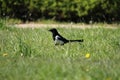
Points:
x=53 y=30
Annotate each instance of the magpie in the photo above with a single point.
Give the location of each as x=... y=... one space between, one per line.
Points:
x=60 y=40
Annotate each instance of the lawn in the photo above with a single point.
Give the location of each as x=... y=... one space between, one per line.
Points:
x=30 y=54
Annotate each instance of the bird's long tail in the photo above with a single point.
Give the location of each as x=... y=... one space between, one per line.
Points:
x=76 y=40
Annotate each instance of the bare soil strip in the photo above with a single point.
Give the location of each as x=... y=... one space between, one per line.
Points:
x=82 y=26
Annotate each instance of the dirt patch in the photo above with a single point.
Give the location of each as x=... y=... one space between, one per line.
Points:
x=82 y=26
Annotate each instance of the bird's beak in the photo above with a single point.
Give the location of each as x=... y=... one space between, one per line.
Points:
x=49 y=30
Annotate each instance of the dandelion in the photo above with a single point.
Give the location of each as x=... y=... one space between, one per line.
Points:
x=109 y=78
x=5 y=54
x=87 y=55
x=21 y=54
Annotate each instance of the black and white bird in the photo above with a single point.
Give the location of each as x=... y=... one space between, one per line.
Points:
x=59 y=40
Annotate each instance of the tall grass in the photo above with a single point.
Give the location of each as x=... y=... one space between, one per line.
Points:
x=30 y=54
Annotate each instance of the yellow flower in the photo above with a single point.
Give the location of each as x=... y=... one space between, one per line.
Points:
x=109 y=78
x=5 y=54
x=87 y=55
x=21 y=54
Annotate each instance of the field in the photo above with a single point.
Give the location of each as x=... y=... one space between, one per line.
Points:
x=30 y=54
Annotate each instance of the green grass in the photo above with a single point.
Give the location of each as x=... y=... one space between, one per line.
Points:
x=30 y=54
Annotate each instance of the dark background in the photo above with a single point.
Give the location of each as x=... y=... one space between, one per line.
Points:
x=62 y=10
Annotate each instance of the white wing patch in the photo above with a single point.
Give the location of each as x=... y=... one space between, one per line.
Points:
x=58 y=41
x=57 y=37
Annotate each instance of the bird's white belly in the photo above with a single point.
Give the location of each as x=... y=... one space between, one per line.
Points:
x=59 y=42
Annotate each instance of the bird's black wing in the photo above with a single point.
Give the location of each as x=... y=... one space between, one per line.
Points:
x=62 y=39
